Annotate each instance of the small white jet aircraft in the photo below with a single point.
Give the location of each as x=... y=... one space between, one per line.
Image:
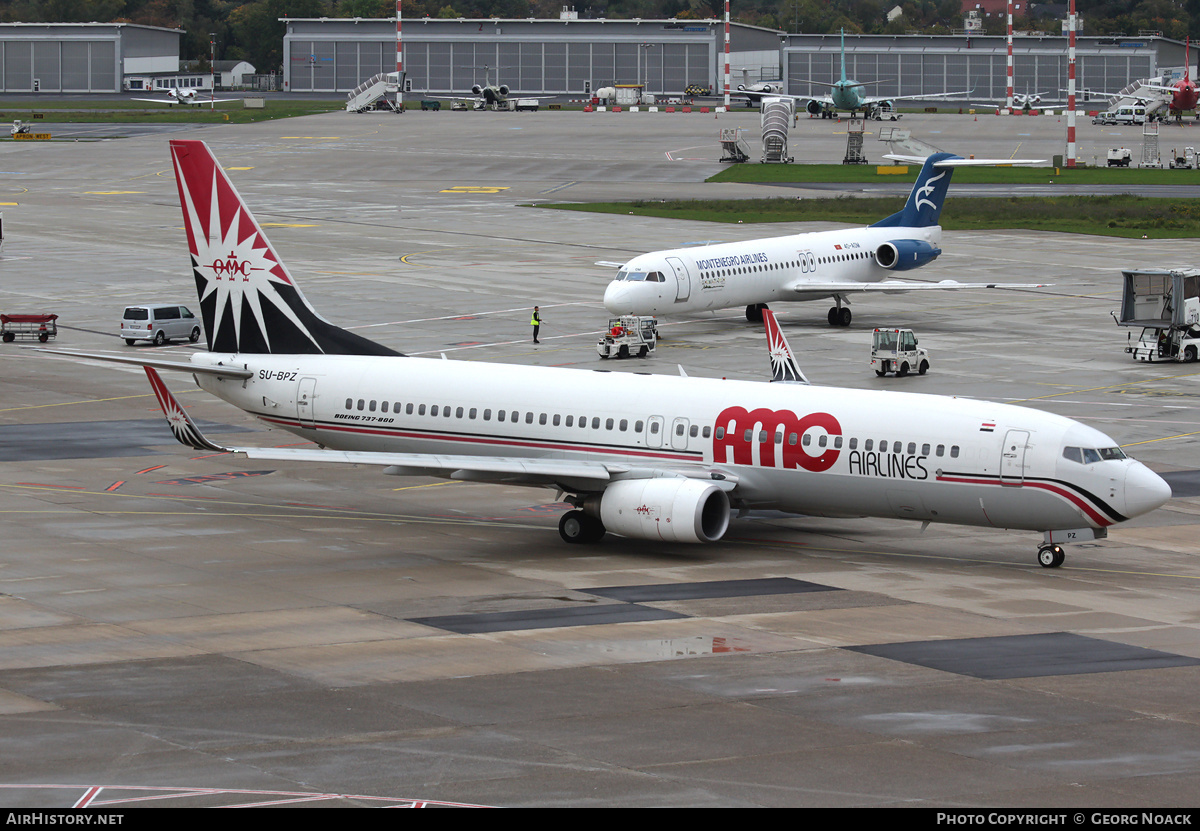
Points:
x=811 y=266
x=652 y=457
x=188 y=97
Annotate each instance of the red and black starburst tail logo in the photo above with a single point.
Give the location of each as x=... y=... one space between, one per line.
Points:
x=248 y=300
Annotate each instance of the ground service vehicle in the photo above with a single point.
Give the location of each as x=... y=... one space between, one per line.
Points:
x=896 y=350
x=1166 y=306
x=159 y=323
x=629 y=335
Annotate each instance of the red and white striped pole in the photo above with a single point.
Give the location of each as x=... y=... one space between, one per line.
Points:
x=727 y=54
x=1071 y=87
x=399 y=50
x=1008 y=98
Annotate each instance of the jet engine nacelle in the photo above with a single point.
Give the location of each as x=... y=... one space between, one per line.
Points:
x=903 y=254
x=813 y=107
x=477 y=90
x=671 y=510
x=504 y=89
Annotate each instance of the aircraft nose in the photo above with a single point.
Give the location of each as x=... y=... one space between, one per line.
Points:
x=1145 y=490
x=617 y=299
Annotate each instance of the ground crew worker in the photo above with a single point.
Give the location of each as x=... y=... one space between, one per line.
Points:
x=536 y=322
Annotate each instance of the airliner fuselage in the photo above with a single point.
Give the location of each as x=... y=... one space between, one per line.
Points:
x=800 y=449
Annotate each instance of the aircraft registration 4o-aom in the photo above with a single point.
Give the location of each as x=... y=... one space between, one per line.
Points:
x=811 y=266
x=644 y=456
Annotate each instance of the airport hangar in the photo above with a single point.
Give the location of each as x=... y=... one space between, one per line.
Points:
x=91 y=57
x=573 y=57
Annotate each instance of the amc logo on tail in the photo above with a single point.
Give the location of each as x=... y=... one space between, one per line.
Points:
x=764 y=424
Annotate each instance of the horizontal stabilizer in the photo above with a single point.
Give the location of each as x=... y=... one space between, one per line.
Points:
x=956 y=162
x=174 y=366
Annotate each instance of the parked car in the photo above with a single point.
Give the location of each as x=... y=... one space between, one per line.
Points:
x=159 y=323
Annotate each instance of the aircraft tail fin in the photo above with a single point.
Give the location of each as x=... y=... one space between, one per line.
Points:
x=784 y=368
x=249 y=301
x=844 y=78
x=924 y=206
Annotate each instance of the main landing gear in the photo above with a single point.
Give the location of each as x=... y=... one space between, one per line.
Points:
x=754 y=312
x=576 y=527
x=839 y=315
x=1051 y=556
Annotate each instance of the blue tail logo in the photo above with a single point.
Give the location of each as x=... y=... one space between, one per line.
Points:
x=924 y=206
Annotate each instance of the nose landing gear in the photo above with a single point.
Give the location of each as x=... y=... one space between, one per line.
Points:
x=1051 y=556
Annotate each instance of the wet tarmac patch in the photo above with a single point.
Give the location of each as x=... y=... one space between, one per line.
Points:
x=545 y=618
x=92 y=439
x=709 y=589
x=1026 y=656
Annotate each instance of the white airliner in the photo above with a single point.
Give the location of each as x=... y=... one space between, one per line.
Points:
x=184 y=96
x=644 y=456
x=811 y=266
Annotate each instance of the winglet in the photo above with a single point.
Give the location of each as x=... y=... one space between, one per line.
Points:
x=180 y=422
x=783 y=363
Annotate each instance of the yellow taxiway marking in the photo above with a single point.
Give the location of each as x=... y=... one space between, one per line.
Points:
x=68 y=403
x=111 y=192
x=313 y=138
x=474 y=189
x=13 y=204
x=239 y=168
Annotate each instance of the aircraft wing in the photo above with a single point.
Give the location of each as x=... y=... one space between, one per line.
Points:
x=193 y=103
x=899 y=286
x=929 y=96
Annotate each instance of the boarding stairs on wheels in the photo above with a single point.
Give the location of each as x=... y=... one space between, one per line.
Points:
x=373 y=93
x=776 y=118
x=854 y=142
x=733 y=146
x=1136 y=95
x=1150 y=153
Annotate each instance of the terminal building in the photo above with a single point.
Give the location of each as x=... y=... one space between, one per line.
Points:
x=575 y=57
x=83 y=57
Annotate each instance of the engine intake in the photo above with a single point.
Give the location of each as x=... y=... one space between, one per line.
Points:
x=814 y=107
x=671 y=510
x=903 y=254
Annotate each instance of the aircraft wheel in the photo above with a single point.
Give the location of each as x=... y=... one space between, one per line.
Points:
x=844 y=317
x=754 y=312
x=1051 y=556
x=923 y=368
x=903 y=370
x=195 y=335
x=576 y=527
x=833 y=316
x=160 y=338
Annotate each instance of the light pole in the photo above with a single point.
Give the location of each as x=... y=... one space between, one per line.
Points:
x=212 y=68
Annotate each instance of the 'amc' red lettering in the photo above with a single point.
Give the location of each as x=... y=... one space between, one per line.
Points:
x=761 y=426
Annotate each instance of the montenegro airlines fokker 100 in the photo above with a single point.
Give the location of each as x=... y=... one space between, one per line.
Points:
x=812 y=266
x=643 y=456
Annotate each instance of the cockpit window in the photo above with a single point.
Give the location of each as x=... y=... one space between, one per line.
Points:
x=1090 y=455
x=635 y=276
x=655 y=277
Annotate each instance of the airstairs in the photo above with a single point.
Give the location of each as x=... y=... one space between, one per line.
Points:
x=1136 y=95
x=733 y=147
x=373 y=93
x=776 y=118
x=1150 y=154
x=854 y=142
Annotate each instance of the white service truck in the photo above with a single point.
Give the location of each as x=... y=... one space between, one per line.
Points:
x=1166 y=306
x=896 y=350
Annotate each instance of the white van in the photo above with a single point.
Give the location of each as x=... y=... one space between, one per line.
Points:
x=1122 y=115
x=159 y=323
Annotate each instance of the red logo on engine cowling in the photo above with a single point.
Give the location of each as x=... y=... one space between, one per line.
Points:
x=763 y=424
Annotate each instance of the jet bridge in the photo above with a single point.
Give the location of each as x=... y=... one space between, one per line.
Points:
x=776 y=119
x=373 y=93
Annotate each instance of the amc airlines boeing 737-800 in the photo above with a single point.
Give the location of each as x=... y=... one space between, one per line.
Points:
x=645 y=456
x=812 y=266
